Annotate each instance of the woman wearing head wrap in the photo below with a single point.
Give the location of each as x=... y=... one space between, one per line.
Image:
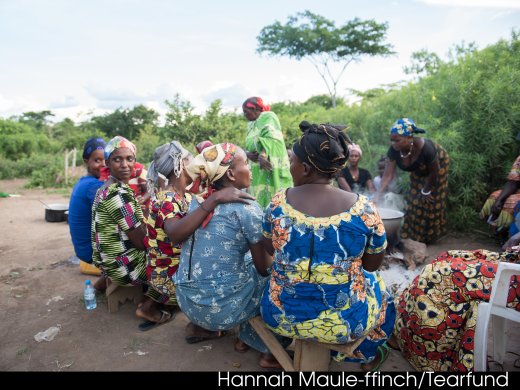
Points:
x=499 y=208
x=80 y=205
x=218 y=285
x=266 y=149
x=169 y=206
x=352 y=178
x=118 y=229
x=327 y=245
x=428 y=164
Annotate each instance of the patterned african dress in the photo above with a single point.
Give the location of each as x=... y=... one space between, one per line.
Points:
x=265 y=137
x=115 y=212
x=437 y=313
x=506 y=215
x=318 y=288
x=162 y=256
x=425 y=222
x=217 y=285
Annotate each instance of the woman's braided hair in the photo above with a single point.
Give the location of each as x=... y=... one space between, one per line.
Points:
x=324 y=147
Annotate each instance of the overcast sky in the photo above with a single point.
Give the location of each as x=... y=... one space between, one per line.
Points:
x=76 y=57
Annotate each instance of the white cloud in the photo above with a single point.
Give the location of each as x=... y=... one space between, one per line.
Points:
x=509 y=4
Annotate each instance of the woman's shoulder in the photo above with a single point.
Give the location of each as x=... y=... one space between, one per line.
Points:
x=268 y=117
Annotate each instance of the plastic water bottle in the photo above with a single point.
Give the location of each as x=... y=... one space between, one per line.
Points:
x=89 y=296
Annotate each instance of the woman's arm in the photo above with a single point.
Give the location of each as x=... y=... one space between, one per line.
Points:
x=431 y=181
x=371 y=262
x=343 y=184
x=137 y=235
x=388 y=175
x=261 y=258
x=268 y=245
x=509 y=189
x=370 y=186
x=179 y=230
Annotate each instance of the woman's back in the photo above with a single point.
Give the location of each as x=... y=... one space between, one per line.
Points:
x=322 y=250
x=217 y=284
x=219 y=248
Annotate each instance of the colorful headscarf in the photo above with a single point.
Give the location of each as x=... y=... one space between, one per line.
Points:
x=355 y=147
x=209 y=166
x=91 y=145
x=256 y=102
x=116 y=143
x=203 y=145
x=405 y=127
x=167 y=158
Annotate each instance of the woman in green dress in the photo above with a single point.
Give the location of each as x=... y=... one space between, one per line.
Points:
x=265 y=147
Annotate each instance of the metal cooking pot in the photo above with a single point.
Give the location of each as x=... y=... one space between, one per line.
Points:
x=392 y=220
x=55 y=212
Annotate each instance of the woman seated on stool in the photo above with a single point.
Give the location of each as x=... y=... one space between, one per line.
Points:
x=218 y=284
x=169 y=205
x=437 y=313
x=118 y=230
x=80 y=205
x=327 y=245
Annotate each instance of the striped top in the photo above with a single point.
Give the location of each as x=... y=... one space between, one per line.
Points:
x=115 y=212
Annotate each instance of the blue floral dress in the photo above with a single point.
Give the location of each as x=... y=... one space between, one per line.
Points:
x=217 y=285
x=318 y=288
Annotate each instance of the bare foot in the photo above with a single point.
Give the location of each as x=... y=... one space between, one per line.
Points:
x=381 y=355
x=267 y=360
x=392 y=342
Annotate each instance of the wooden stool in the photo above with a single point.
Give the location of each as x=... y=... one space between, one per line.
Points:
x=308 y=355
x=117 y=295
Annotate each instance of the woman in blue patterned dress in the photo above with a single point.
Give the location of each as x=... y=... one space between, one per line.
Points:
x=327 y=245
x=219 y=285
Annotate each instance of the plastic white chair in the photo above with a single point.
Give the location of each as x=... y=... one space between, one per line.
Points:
x=496 y=310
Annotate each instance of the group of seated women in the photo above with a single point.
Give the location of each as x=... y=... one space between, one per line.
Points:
x=308 y=263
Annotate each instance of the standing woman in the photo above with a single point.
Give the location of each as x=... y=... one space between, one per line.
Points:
x=265 y=147
x=353 y=178
x=428 y=163
x=118 y=229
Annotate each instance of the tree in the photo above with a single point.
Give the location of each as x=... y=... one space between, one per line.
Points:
x=317 y=39
x=423 y=63
x=125 y=122
x=38 y=120
x=324 y=101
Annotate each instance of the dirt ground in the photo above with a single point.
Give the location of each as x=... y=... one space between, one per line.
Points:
x=40 y=288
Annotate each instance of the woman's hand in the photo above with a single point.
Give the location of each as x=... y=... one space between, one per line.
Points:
x=513 y=241
x=496 y=208
x=253 y=156
x=427 y=198
x=264 y=163
x=229 y=195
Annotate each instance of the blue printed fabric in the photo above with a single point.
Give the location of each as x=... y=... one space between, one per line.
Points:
x=318 y=288
x=217 y=285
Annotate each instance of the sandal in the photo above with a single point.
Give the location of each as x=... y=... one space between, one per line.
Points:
x=166 y=316
x=241 y=347
x=203 y=335
x=383 y=351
